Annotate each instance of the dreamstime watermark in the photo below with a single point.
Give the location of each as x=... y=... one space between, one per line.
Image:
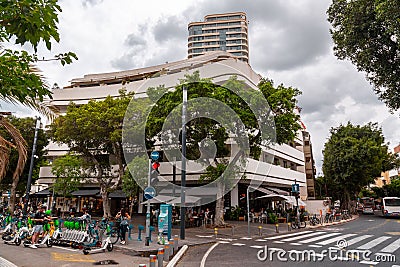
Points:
x=338 y=253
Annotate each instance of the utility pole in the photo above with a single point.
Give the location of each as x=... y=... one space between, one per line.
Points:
x=183 y=177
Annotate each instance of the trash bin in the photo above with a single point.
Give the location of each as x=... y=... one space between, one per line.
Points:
x=147 y=241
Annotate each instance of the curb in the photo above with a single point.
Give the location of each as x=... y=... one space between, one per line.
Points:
x=178 y=256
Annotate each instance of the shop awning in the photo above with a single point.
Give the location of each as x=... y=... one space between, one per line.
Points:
x=289 y=199
x=43 y=193
x=117 y=194
x=85 y=192
x=158 y=199
x=189 y=201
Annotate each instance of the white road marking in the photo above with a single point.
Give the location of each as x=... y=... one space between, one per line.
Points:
x=204 y=235
x=315 y=246
x=69 y=249
x=278 y=242
x=6 y=263
x=238 y=244
x=258 y=247
x=223 y=242
x=374 y=242
x=246 y=238
x=332 y=240
x=318 y=238
x=261 y=240
x=203 y=260
x=392 y=247
x=296 y=244
x=302 y=236
x=282 y=236
x=369 y=262
x=357 y=239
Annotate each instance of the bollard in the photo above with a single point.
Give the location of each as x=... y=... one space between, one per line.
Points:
x=216 y=232
x=151 y=229
x=233 y=230
x=142 y=265
x=260 y=230
x=153 y=259
x=277 y=227
x=140 y=228
x=130 y=231
x=126 y=238
x=166 y=252
x=176 y=243
x=289 y=228
x=160 y=257
x=171 y=247
x=147 y=241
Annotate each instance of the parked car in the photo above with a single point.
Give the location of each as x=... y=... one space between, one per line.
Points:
x=368 y=210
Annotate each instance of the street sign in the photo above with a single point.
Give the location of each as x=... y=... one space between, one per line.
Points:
x=155 y=155
x=149 y=192
x=295 y=188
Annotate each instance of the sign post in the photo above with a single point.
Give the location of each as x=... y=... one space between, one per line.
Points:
x=150 y=192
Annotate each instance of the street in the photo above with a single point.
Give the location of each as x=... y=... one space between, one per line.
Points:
x=369 y=241
x=60 y=256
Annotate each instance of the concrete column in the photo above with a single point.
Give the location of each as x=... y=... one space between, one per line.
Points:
x=235 y=196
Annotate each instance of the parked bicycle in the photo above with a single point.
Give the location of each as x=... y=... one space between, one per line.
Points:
x=314 y=220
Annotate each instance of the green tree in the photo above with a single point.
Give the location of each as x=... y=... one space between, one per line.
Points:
x=368 y=34
x=94 y=131
x=392 y=189
x=353 y=157
x=26 y=128
x=27 y=22
x=281 y=100
x=138 y=168
x=69 y=173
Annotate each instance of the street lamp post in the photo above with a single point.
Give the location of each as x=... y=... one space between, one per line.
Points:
x=28 y=185
x=183 y=177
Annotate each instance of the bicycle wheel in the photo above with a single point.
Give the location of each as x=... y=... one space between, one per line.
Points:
x=114 y=236
x=302 y=224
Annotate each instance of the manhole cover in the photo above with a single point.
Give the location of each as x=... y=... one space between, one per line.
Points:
x=106 y=262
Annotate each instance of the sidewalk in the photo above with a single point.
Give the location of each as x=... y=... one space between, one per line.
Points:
x=203 y=235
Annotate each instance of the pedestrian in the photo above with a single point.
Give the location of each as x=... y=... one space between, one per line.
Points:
x=39 y=219
x=124 y=218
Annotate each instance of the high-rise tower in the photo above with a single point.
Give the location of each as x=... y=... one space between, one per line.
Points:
x=226 y=32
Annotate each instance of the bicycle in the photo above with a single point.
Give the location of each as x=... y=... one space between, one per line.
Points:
x=314 y=220
x=346 y=215
x=296 y=224
x=111 y=230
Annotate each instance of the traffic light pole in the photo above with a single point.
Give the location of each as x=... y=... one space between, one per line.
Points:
x=148 y=205
x=183 y=177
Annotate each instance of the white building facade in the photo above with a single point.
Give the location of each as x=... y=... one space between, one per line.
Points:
x=287 y=166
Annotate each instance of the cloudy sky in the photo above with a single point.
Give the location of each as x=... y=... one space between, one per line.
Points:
x=289 y=43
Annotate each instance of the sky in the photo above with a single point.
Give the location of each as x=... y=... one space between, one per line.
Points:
x=289 y=42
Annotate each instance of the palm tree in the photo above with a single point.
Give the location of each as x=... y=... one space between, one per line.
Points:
x=20 y=145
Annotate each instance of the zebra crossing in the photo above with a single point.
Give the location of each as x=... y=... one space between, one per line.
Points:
x=384 y=244
x=387 y=245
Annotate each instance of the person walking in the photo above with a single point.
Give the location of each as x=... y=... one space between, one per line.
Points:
x=124 y=218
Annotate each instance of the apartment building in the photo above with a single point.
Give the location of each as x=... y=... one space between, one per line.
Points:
x=220 y=32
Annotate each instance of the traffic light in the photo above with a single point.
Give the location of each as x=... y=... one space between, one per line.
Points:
x=154 y=172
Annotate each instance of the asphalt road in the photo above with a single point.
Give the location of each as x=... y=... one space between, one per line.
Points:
x=63 y=257
x=368 y=241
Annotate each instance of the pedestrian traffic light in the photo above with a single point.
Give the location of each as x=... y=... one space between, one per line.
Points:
x=154 y=172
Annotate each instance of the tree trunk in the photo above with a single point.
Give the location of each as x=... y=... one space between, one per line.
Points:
x=219 y=206
x=106 y=202
x=13 y=193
